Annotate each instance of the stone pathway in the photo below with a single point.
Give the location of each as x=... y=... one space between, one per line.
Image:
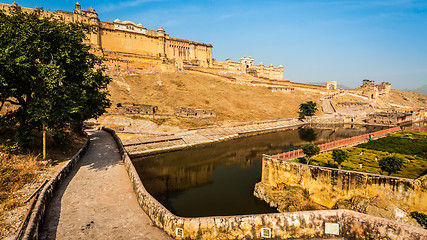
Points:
x=96 y=201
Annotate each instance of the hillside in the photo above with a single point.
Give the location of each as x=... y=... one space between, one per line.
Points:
x=233 y=101
x=235 y=96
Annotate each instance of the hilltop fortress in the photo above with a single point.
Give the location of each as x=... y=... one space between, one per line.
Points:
x=127 y=42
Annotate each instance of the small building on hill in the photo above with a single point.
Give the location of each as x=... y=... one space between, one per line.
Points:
x=372 y=90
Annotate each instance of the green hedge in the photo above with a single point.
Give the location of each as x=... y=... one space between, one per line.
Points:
x=393 y=144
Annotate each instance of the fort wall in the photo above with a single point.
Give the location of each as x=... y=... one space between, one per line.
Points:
x=329 y=185
x=246 y=65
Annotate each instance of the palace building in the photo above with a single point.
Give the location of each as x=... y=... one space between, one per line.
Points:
x=125 y=41
x=125 y=37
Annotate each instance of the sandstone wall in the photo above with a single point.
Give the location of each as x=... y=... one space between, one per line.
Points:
x=328 y=185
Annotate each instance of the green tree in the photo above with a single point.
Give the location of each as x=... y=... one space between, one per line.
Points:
x=49 y=73
x=307 y=109
x=339 y=156
x=310 y=150
x=391 y=164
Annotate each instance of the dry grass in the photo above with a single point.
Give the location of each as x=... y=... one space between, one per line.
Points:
x=16 y=170
x=22 y=173
x=233 y=102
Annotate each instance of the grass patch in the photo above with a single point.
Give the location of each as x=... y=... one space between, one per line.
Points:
x=411 y=134
x=413 y=167
x=402 y=145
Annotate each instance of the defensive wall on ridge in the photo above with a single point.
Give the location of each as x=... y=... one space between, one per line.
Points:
x=295 y=225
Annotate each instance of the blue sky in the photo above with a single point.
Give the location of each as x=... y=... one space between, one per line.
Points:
x=315 y=41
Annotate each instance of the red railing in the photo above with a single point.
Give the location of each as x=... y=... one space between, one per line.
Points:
x=325 y=146
x=417 y=129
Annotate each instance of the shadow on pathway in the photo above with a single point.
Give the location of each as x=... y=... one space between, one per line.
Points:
x=96 y=200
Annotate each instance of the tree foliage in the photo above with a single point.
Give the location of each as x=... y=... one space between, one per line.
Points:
x=391 y=164
x=307 y=109
x=339 y=156
x=310 y=150
x=49 y=74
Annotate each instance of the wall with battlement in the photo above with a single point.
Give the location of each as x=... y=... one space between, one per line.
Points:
x=246 y=64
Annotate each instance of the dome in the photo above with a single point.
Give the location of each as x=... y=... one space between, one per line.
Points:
x=140 y=25
x=129 y=23
x=271 y=65
x=91 y=10
x=280 y=66
x=117 y=21
x=261 y=64
x=160 y=29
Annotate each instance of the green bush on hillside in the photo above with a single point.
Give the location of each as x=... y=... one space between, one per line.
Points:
x=420 y=217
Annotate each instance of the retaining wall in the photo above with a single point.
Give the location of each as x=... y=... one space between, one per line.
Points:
x=328 y=185
x=303 y=225
x=35 y=223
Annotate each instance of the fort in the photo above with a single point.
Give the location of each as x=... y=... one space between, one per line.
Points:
x=125 y=37
x=125 y=41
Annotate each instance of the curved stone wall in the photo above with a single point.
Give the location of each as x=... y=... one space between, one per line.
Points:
x=303 y=225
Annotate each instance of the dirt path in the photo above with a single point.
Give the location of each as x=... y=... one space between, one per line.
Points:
x=96 y=200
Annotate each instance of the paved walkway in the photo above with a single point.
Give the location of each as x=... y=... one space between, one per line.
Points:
x=96 y=200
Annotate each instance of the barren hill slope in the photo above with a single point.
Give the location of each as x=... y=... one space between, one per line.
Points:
x=232 y=101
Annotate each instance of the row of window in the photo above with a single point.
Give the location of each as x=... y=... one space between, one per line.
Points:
x=180 y=47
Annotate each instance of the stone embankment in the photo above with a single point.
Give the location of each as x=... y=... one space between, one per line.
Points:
x=332 y=224
x=147 y=146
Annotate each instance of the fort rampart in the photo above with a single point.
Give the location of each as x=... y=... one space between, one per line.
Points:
x=304 y=225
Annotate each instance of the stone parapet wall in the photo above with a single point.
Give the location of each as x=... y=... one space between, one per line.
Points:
x=295 y=225
x=35 y=223
x=328 y=185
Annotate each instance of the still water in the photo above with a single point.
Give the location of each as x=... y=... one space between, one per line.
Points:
x=218 y=179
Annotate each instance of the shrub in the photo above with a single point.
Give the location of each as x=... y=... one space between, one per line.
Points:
x=310 y=150
x=391 y=164
x=339 y=156
x=420 y=217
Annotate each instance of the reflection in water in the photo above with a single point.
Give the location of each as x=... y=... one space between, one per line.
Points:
x=218 y=179
x=307 y=134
